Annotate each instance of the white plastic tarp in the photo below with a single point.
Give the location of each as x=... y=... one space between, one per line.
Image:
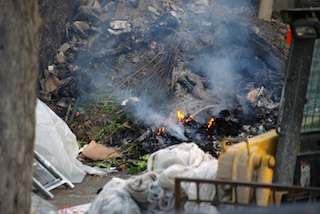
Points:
x=57 y=144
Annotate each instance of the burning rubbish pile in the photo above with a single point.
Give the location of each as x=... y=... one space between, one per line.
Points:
x=209 y=59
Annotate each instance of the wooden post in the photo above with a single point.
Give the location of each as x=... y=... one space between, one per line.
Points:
x=265 y=9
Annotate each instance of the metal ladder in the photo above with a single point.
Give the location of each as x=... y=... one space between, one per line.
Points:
x=43 y=168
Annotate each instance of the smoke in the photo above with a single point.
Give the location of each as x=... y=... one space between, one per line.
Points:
x=226 y=65
x=238 y=56
x=144 y=112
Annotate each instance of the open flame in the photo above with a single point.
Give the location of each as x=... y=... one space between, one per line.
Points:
x=210 y=123
x=190 y=118
x=160 y=131
x=180 y=115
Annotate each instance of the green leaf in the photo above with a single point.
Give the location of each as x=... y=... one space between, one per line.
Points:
x=146 y=157
x=102 y=164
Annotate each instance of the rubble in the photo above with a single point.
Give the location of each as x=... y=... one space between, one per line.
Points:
x=119 y=27
x=181 y=55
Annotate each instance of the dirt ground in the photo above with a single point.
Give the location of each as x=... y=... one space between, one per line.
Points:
x=82 y=193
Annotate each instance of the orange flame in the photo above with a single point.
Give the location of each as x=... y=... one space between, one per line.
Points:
x=160 y=131
x=190 y=118
x=210 y=123
x=180 y=115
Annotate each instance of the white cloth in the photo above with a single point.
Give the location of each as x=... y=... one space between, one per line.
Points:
x=113 y=199
x=154 y=190
x=206 y=170
x=185 y=154
x=138 y=186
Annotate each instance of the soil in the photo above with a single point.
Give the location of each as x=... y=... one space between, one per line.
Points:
x=82 y=193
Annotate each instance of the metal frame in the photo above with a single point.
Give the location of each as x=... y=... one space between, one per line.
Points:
x=276 y=190
x=293 y=98
x=58 y=181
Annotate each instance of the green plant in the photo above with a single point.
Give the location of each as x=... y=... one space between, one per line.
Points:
x=81 y=144
x=139 y=165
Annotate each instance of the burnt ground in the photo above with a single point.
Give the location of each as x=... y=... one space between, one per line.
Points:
x=209 y=59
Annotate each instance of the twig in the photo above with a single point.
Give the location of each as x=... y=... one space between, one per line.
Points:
x=74 y=109
x=114 y=131
x=136 y=72
x=202 y=109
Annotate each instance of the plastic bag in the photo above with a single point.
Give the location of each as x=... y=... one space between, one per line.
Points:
x=41 y=206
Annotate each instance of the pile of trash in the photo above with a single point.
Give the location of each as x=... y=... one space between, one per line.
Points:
x=173 y=55
x=183 y=48
x=153 y=191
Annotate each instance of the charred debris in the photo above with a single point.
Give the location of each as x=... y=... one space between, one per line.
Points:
x=215 y=63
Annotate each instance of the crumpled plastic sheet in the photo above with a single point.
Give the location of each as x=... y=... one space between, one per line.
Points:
x=138 y=187
x=41 y=206
x=206 y=170
x=160 y=199
x=185 y=154
x=114 y=198
x=57 y=144
x=183 y=160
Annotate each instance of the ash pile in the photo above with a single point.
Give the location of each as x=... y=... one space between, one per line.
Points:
x=212 y=60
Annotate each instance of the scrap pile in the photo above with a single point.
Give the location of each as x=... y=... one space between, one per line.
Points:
x=173 y=55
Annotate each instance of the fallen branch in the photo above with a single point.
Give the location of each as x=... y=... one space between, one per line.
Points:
x=202 y=109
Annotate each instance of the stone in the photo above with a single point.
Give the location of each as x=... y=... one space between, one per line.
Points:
x=63 y=48
x=81 y=28
x=153 y=10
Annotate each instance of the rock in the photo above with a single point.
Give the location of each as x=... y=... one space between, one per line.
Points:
x=63 y=48
x=119 y=27
x=81 y=28
x=207 y=39
x=60 y=57
x=97 y=7
x=83 y=13
x=135 y=59
x=197 y=9
x=173 y=13
x=206 y=24
x=63 y=102
x=51 y=69
x=201 y=2
x=153 y=10
x=51 y=83
x=153 y=45
x=173 y=7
